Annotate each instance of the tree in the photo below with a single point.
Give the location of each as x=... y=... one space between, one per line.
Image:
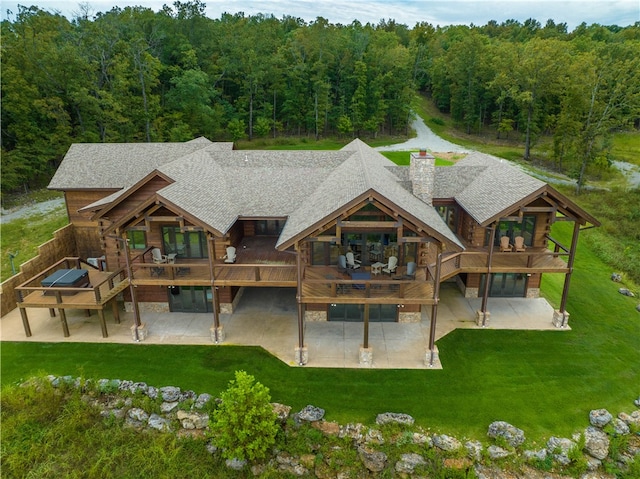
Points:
x=244 y=426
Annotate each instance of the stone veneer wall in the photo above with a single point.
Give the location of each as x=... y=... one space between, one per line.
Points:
x=412 y=317
x=229 y=308
x=533 y=293
x=422 y=171
x=148 y=307
x=315 y=316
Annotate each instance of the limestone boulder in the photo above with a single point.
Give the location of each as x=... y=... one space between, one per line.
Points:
x=170 y=393
x=446 y=443
x=596 y=443
x=408 y=463
x=511 y=434
x=373 y=460
x=600 y=417
x=310 y=413
x=394 y=418
x=282 y=411
x=496 y=452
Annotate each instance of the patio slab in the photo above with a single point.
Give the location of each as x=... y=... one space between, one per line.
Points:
x=267 y=317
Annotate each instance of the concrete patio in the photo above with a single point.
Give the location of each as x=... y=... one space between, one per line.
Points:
x=267 y=317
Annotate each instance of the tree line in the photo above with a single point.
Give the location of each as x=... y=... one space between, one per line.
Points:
x=132 y=74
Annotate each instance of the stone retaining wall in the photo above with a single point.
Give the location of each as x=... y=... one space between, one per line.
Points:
x=393 y=447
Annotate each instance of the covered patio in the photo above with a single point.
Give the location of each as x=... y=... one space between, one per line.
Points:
x=267 y=317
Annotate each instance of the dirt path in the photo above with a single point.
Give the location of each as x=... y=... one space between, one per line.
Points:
x=30 y=210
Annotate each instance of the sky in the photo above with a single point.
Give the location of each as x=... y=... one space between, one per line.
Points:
x=408 y=12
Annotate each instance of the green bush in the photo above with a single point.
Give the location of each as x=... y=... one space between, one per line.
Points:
x=244 y=426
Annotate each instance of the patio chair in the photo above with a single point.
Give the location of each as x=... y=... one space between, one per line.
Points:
x=342 y=263
x=375 y=252
x=230 y=257
x=519 y=244
x=504 y=244
x=351 y=261
x=391 y=266
x=158 y=257
x=411 y=269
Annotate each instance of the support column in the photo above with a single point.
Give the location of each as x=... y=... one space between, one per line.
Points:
x=115 y=310
x=482 y=316
x=25 y=322
x=301 y=352
x=103 y=323
x=217 y=332
x=365 y=357
x=432 y=353
x=63 y=321
x=560 y=316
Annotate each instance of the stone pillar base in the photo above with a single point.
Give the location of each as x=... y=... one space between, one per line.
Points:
x=221 y=335
x=142 y=332
x=432 y=357
x=560 y=319
x=483 y=318
x=302 y=355
x=366 y=356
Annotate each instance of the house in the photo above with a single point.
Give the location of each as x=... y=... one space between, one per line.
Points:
x=195 y=223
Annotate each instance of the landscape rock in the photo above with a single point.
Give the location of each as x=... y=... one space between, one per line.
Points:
x=353 y=431
x=138 y=414
x=202 y=400
x=596 y=443
x=496 y=452
x=419 y=438
x=408 y=463
x=637 y=401
x=540 y=454
x=620 y=427
x=600 y=417
x=188 y=396
x=158 y=422
x=167 y=407
x=374 y=436
x=282 y=412
x=559 y=448
x=626 y=292
x=632 y=419
x=446 y=443
x=474 y=449
x=193 y=420
x=236 y=464
x=170 y=393
x=310 y=414
x=638 y=309
x=373 y=460
x=327 y=428
x=616 y=277
x=394 y=418
x=152 y=392
x=511 y=434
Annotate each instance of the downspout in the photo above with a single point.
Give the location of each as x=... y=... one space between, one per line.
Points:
x=434 y=311
x=214 y=299
x=485 y=295
x=567 y=278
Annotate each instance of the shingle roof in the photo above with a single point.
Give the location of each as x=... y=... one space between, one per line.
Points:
x=217 y=184
x=118 y=165
x=484 y=185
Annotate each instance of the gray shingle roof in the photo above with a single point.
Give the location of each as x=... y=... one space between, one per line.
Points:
x=118 y=165
x=217 y=184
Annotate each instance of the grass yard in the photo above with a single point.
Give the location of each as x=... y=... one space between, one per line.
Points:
x=543 y=382
x=24 y=235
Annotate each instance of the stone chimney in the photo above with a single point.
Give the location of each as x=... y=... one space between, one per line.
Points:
x=422 y=171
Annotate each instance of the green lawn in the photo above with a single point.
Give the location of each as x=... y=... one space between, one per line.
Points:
x=543 y=382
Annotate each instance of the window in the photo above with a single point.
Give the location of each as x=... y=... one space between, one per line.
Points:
x=524 y=228
x=448 y=214
x=188 y=244
x=137 y=239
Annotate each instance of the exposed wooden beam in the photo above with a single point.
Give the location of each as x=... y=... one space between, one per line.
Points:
x=370 y=224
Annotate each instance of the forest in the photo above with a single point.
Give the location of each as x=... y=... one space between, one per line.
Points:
x=136 y=75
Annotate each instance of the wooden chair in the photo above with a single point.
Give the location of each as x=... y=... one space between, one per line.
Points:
x=391 y=266
x=504 y=244
x=230 y=257
x=158 y=257
x=351 y=261
x=519 y=244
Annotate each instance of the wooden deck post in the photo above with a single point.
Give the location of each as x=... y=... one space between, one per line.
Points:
x=434 y=311
x=25 y=322
x=115 y=310
x=485 y=294
x=103 y=323
x=567 y=278
x=214 y=297
x=299 y=296
x=365 y=342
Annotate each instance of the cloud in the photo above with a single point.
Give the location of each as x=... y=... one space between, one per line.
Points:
x=408 y=12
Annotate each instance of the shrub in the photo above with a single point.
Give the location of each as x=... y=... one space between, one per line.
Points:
x=244 y=426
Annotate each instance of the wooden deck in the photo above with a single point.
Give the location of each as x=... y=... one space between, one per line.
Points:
x=535 y=260
x=324 y=284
